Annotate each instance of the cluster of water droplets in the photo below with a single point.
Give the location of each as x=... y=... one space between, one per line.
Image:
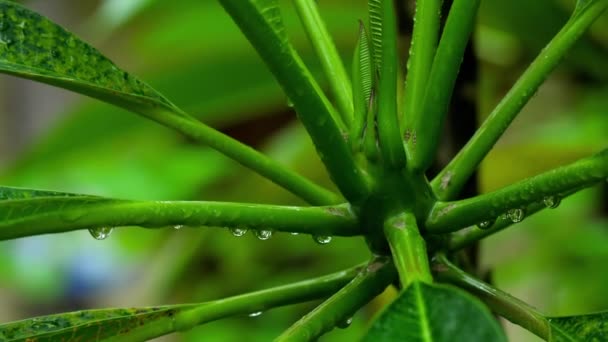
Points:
x=517 y=215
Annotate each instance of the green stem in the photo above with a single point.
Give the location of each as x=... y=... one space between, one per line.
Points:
x=55 y=215
x=408 y=249
x=331 y=62
x=249 y=157
x=261 y=24
x=463 y=240
x=368 y=284
x=422 y=51
x=500 y=302
x=428 y=123
x=450 y=180
x=304 y=291
x=389 y=134
x=452 y=216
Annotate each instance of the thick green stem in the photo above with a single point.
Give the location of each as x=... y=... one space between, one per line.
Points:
x=331 y=62
x=249 y=157
x=408 y=249
x=422 y=51
x=389 y=134
x=368 y=284
x=304 y=291
x=425 y=132
x=452 y=216
x=500 y=302
x=462 y=240
x=55 y=215
x=449 y=182
x=261 y=24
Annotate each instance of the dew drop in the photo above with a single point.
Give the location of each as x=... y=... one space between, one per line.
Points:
x=516 y=215
x=238 y=232
x=485 y=224
x=294 y=233
x=100 y=233
x=289 y=103
x=178 y=226
x=322 y=239
x=263 y=234
x=255 y=314
x=345 y=324
x=552 y=202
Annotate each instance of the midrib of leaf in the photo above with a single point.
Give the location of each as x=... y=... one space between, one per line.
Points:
x=425 y=329
x=562 y=334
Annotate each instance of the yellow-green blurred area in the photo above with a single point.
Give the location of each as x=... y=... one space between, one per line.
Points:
x=191 y=51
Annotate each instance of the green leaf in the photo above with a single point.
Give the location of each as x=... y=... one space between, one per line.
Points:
x=362 y=86
x=593 y=327
x=375 y=24
x=11 y=193
x=437 y=313
x=33 y=47
x=87 y=325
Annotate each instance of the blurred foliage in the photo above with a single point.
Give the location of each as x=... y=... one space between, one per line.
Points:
x=192 y=52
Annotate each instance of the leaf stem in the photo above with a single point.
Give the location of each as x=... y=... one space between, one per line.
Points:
x=422 y=50
x=452 y=216
x=462 y=240
x=299 y=292
x=450 y=180
x=369 y=283
x=260 y=21
x=331 y=62
x=428 y=123
x=500 y=302
x=56 y=215
x=249 y=157
x=408 y=249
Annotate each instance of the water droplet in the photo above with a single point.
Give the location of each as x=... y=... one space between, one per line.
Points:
x=263 y=234
x=294 y=233
x=178 y=226
x=238 y=232
x=485 y=224
x=516 y=215
x=552 y=202
x=255 y=314
x=322 y=239
x=345 y=324
x=289 y=103
x=101 y=233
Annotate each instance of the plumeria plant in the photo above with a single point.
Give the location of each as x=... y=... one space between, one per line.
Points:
x=376 y=138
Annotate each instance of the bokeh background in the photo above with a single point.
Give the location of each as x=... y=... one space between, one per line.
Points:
x=191 y=51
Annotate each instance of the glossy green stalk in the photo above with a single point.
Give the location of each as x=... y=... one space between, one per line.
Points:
x=461 y=240
x=368 y=284
x=249 y=157
x=422 y=51
x=389 y=134
x=61 y=214
x=260 y=22
x=304 y=291
x=408 y=249
x=331 y=62
x=448 y=183
x=427 y=124
x=452 y=216
x=500 y=302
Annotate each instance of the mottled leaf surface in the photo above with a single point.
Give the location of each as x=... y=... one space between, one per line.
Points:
x=33 y=47
x=87 y=325
x=435 y=313
x=588 y=328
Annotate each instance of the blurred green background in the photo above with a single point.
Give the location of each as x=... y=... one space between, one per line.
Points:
x=191 y=51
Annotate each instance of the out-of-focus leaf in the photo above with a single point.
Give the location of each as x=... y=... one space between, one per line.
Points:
x=35 y=48
x=436 y=313
x=592 y=327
